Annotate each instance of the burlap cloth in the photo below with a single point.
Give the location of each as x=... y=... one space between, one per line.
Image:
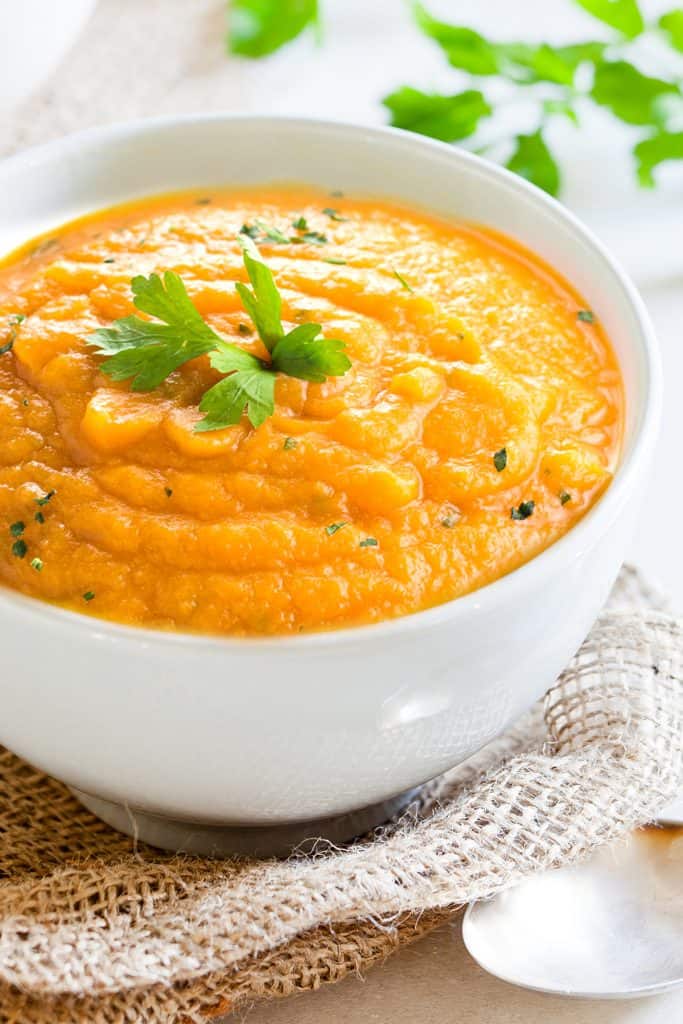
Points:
x=96 y=928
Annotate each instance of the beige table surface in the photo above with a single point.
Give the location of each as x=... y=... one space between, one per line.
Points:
x=164 y=56
x=436 y=982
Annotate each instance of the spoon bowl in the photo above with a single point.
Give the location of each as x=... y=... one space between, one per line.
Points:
x=609 y=928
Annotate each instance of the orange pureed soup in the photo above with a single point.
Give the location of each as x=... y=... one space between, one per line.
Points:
x=480 y=419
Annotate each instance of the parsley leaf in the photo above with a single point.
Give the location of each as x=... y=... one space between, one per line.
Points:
x=148 y=351
x=448 y=118
x=263 y=304
x=533 y=160
x=260 y=27
x=628 y=93
x=623 y=15
x=252 y=390
x=465 y=48
x=656 y=150
x=672 y=25
x=302 y=354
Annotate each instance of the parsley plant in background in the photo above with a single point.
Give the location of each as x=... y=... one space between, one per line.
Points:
x=559 y=81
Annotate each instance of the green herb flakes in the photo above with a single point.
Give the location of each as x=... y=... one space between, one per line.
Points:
x=289 y=443
x=89 y=595
x=16 y=529
x=401 y=280
x=39 y=517
x=19 y=548
x=168 y=491
x=585 y=316
x=334 y=528
x=300 y=224
x=45 y=499
x=523 y=510
x=565 y=497
x=333 y=214
x=37 y=564
x=315 y=237
x=335 y=261
x=500 y=459
x=369 y=542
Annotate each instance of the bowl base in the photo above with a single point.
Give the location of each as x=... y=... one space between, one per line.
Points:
x=205 y=840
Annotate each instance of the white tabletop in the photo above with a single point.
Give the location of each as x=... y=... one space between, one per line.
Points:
x=165 y=56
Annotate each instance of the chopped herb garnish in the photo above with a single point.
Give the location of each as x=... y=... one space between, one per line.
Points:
x=245 y=329
x=25 y=402
x=250 y=230
x=369 y=542
x=333 y=214
x=449 y=522
x=334 y=527
x=523 y=510
x=500 y=459
x=16 y=529
x=404 y=283
x=315 y=237
x=19 y=548
x=290 y=442
x=14 y=321
x=147 y=351
x=586 y=316
x=39 y=517
x=300 y=224
x=88 y=596
x=46 y=498
x=37 y=564
x=565 y=496
x=333 y=259
x=109 y=259
x=271 y=234
x=168 y=491
x=203 y=201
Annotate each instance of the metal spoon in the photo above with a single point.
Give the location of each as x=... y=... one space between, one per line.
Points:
x=609 y=928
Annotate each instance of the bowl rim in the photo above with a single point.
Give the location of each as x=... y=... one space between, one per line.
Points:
x=499 y=592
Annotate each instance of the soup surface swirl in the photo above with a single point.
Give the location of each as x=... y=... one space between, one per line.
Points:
x=480 y=419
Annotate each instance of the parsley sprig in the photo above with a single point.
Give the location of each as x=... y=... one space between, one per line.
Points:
x=556 y=81
x=146 y=351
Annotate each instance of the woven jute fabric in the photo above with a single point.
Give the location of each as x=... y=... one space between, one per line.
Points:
x=96 y=928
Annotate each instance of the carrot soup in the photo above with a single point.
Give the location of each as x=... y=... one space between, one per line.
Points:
x=388 y=412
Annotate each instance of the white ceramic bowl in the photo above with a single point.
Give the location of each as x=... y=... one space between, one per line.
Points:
x=267 y=733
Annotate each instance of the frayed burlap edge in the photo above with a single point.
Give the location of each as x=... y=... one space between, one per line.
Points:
x=155 y=938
